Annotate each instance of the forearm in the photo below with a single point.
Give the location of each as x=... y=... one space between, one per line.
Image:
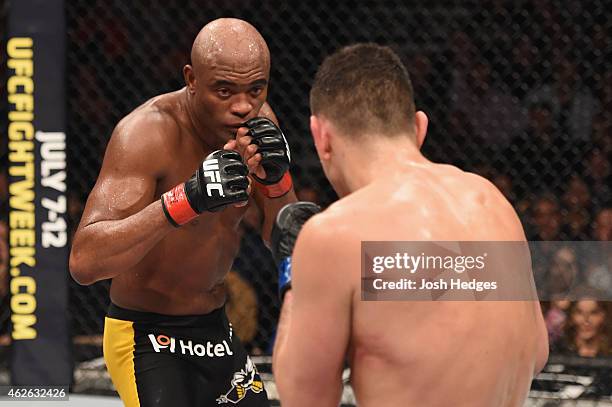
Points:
x=278 y=355
x=105 y=249
x=270 y=208
x=296 y=385
x=280 y=362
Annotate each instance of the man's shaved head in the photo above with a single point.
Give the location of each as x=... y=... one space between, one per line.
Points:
x=229 y=40
x=227 y=81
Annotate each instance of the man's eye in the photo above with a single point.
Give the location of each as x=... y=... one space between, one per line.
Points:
x=256 y=91
x=224 y=92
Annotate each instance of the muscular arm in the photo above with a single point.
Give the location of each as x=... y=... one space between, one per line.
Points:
x=270 y=207
x=313 y=331
x=123 y=219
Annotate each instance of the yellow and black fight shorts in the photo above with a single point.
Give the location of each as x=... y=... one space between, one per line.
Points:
x=159 y=360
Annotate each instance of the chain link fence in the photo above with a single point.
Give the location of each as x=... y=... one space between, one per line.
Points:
x=517 y=91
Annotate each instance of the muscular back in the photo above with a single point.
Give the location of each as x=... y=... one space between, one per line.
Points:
x=151 y=150
x=437 y=353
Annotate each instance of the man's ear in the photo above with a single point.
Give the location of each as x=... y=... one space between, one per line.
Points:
x=189 y=77
x=421 y=121
x=320 y=135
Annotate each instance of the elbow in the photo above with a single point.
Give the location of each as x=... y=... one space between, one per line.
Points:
x=281 y=375
x=80 y=270
x=292 y=387
x=543 y=349
x=542 y=355
x=266 y=233
x=283 y=387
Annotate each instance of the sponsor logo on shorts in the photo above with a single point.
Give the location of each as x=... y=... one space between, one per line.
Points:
x=244 y=380
x=189 y=347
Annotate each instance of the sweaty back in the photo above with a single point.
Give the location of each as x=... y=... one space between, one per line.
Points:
x=438 y=353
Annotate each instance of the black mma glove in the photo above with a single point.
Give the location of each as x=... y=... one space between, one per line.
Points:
x=287 y=226
x=275 y=156
x=221 y=180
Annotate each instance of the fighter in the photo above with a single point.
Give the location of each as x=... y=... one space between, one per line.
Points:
x=162 y=223
x=368 y=135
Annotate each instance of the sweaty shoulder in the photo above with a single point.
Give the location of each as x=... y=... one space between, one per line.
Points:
x=477 y=205
x=147 y=136
x=486 y=195
x=335 y=224
x=322 y=245
x=429 y=202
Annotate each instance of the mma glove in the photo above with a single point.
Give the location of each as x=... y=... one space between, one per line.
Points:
x=220 y=180
x=275 y=156
x=288 y=224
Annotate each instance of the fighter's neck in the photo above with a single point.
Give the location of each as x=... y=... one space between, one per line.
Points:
x=376 y=160
x=199 y=130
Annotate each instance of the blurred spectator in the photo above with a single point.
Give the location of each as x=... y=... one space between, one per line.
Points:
x=493 y=113
x=598 y=270
x=602 y=130
x=545 y=219
x=602 y=227
x=577 y=195
x=597 y=53
x=541 y=127
x=463 y=54
x=422 y=77
x=605 y=91
x=587 y=329
x=555 y=318
x=241 y=307
x=105 y=29
x=576 y=202
x=535 y=156
x=524 y=76
x=503 y=182
x=562 y=274
x=491 y=19
x=93 y=105
x=599 y=177
x=172 y=61
x=573 y=106
x=458 y=136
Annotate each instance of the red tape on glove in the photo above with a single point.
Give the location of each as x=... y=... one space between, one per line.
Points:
x=277 y=190
x=177 y=207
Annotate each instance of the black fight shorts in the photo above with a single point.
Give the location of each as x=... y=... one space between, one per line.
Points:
x=180 y=361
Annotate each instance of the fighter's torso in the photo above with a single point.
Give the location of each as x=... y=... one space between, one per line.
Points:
x=438 y=353
x=183 y=273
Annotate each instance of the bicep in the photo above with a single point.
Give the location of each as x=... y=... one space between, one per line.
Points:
x=318 y=333
x=126 y=183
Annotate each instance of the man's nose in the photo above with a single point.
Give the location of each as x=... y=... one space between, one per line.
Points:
x=241 y=107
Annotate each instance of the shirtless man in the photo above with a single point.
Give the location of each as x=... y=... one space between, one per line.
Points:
x=477 y=354
x=167 y=341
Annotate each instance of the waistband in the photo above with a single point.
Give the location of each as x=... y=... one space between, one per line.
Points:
x=215 y=317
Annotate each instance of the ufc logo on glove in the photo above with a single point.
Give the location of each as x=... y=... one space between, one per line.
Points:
x=222 y=172
x=211 y=168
